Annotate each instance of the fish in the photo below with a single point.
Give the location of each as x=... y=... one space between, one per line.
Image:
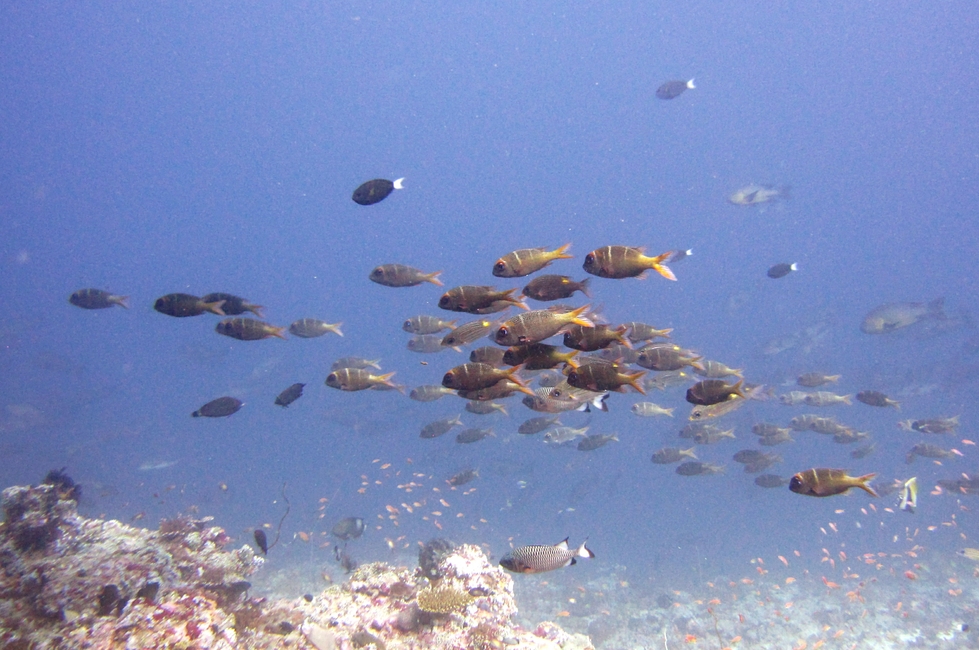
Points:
x=501 y=389
x=430 y=393
x=426 y=344
x=473 y=376
x=468 y=333
x=599 y=377
x=470 y=436
x=310 y=328
x=969 y=553
x=782 y=270
x=348 y=528
x=591 y=443
x=825 y=398
x=770 y=481
x=793 y=398
x=667 y=379
x=678 y=255
x=248 y=329
x=543 y=558
x=485 y=408
x=639 y=332
x=930 y=451
x=154 y=465
x=898 y=315
x=716 y=410
x=376 y=190
x=535 y=326
x=401 y=275
x=479 y=299
x=673 y=89
x=440 y=427
x=823 y=482
x=528 y=260
x=618 y=262
x=536 y=356
x=97 y=299
x=182 y=305
x=590 y=339
x=757 y=194
x=233 y=305
x=546 y=288
x=353 y=379
x=765 y=429
x=489 y=354
x=779 y=438
x=909 y=495
x=850 y=437
x=650 y=409
x=423 y=324
x=563 y=435
x=665 y=356
x=355 y=362
x=545 y=403
x=933 y=425
x=714 y=370
x=290 y=395
x=864 y=451
x=698 y=468
x=463 y=477
x=536 y=425
x=219 y=408
x=710 y=436
x=816 y=379
x=713 y=391
x=755 y=457
x=876 y=398
x=670 y=455
x=261 y=540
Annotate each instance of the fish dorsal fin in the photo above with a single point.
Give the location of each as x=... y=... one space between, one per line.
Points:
x=562 y=545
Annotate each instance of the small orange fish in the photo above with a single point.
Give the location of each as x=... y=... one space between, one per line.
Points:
x=789 y=580
x=714 y=601
x=910 y=575
x=690 y=638
x=830 y=583
x=783 y=560
x=563 y=614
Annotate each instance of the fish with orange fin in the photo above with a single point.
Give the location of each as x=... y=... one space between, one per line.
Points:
x=618 y=262
x=528 y=260
x=539 y=324
x=474 y=376
x=479 y=299
x=823 y=482
x=598 y=377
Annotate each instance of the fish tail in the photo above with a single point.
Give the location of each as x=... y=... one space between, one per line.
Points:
x=689 y=453
x=896 y=405
x=385 y=379
x=434 y=278
x=523 y=389
x=690 y=85
x=451 y=324
x=215 y=307
x=658 y=264
x=277 y=332
x=585 y=287
x=738 y=388
x=502 y=409
x=257 y=310
x=374 y=363
x=584 y=551
x=847 y=399
x=665 y=333
x=122 y=301
x=335 y=328
x=861 y=482
x=561 y=253
x=669 y=411
x=399 y=184
x=580 y=316
x=633 y=380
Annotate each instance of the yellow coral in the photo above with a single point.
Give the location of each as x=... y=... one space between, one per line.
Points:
x=443 y=599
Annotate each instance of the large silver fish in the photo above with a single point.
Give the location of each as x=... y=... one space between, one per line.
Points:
x=897 y=315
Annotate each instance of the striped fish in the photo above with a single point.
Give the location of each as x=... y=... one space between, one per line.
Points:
x=541 y=558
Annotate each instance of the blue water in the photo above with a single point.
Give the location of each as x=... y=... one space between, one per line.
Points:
x=166 y=148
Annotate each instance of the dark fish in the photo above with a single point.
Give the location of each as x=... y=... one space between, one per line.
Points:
x=864 y=451
x=430 y=393
x=233 y=305
x=473 y=435
x=476 y=299
x=930 y=451
x=590 y=443
x=538 y=559
x=897 y=315
x=375 y=191
x=782 y=270
x=538 y=424
x=590 y=339
x=876 y=398
x=463 y=477
x=536 y=356
x=290 y=395
x=599 y=377
x=746 y=456
x=535 y=326
x=426 y=344
x=499 y=390
x=776 y=439
x=639 y=332
x=352 y=379
x=248 y=329
x=440 y=427
x=665 y=356
x=219 y=408
x=261 y=541
x=770 y=481
x=555 y=287
x=97 y=299
x=697 y=468
x=310 y=328
x=468 y=333
x=934 y=425
x=694 y=429
x=673 y=89
x=473 y=376
x=182 y=305
x=713 y=391
x=670 y=455
x=815 y=379
x=488 y=354
x=823 y=482
x=348 y=528
x=426 y=325
x=619 y=262
x=400 y=275
x=355 y=362
x=528 y=260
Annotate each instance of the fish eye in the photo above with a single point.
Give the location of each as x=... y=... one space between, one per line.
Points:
x=443 y=301
x=500 y=266
x=332 y=378
x=590 y=259
x=447 y=379
x=502 y=333
x=376 y=273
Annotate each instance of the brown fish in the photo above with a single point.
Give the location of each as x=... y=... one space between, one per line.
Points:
x=400 y=275
x=540 y=324
x=501 y=389
x=233 y=305
x=815 y=379
x=555 y=287
x=589 y=339
x=600 y=377
x=876 y=398
x=473 y=376
x=489 y=354
x=666 y=356
x=528 y=260
x=618 y=262
x=248 y=329
x=478 y=299
x=536 y=356
x=713 y=391
x=97 y=299
x=351 y=379
x=934 y=425
x=181 y=305
x=823 y=482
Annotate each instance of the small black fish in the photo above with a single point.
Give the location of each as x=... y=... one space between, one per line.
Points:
x=248 y=329
x=219 y=408
x=97 y=299
x=182 y=305
x=349 y=528
x=782 y=270
x=376 y=190
x=290 y=395
x=555 y=287
x=463 y=477
x=673 y=89
x=233 y=305
x=261 y=540
x=770 y=481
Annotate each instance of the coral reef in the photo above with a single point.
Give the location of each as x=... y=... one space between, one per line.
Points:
x=70 y=582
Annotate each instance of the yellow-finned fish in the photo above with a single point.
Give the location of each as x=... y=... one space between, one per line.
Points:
x=528 y=260
x=823 y=482
x=619 y=262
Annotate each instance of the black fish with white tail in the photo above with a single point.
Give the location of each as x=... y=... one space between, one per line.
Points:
x=375 y=191
x=674 y=88
x=543 y=558
x=289 y=395
x=219 y=408
x=782 y=270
